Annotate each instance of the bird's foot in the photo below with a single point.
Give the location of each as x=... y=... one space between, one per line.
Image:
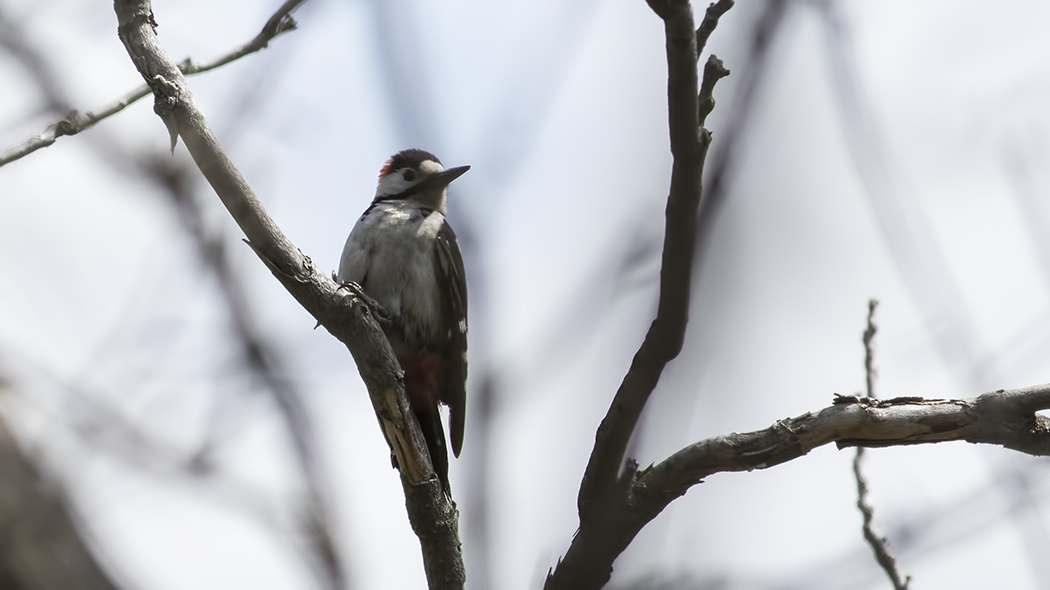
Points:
x=381 y=315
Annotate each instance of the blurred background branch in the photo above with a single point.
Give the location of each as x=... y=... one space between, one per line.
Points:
x=43 y=549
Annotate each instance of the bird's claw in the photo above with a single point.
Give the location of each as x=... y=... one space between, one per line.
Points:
x=378 y=312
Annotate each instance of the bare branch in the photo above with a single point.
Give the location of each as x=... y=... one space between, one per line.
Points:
x=279 y=23
x=664 y=339
x=714 y=12
x=880 y=545
x=73 y=123
x=1005 y=417
x=869 y=353
x=714 y=71
x=605 y=528
x=433 y=516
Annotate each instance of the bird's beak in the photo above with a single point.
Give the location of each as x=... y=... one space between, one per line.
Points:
x=444 y=178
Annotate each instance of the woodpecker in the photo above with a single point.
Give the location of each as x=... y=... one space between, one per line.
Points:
x=404 y=255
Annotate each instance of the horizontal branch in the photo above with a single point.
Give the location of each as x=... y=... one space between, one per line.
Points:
x=1006 y=418
x=74 y=122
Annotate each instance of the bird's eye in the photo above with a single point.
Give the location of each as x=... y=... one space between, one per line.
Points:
x=410 y=175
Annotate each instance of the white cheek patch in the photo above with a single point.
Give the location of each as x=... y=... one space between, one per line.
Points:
x=392 y=185
x=431 y=167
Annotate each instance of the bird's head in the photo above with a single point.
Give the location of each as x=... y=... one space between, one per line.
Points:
x=417 y=177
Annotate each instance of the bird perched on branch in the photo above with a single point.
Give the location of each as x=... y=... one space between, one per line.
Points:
x=404 y=255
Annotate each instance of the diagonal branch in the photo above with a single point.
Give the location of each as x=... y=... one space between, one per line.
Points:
x=434 y=518
x=714 y=12
x=73 y=123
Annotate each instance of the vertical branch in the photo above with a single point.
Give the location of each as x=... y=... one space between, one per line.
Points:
x=609 y=520
x=689 y=143
x=879 y=545
x=869 y=354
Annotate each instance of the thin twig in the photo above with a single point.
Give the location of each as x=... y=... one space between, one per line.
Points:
x=714 y=71
x=733 y=135
x=74 y=122
x=922 y=264
x=714 y=12
x=869 y=353
x=260 y=357
x=880 y=545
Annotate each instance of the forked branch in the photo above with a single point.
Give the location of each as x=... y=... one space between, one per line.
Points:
x=605 y=528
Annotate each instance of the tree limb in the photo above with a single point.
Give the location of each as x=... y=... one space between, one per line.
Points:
x=433 y=516
x=664 y=338
x=73 y=123
x=1006 y=418
x=605 y=528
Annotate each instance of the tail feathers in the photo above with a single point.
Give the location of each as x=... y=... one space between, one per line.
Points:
x=434 y=435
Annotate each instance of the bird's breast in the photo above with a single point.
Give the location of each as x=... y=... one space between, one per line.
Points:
x=390 y=253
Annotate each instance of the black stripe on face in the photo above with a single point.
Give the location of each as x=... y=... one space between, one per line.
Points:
x=432 y=182
x=403 y=195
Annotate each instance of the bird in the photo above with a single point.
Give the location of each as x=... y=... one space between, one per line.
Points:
x=403 y=254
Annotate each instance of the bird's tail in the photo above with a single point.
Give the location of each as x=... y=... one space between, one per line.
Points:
x=434 y=435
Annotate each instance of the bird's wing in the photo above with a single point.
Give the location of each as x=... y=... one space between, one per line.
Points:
x=452 y=281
